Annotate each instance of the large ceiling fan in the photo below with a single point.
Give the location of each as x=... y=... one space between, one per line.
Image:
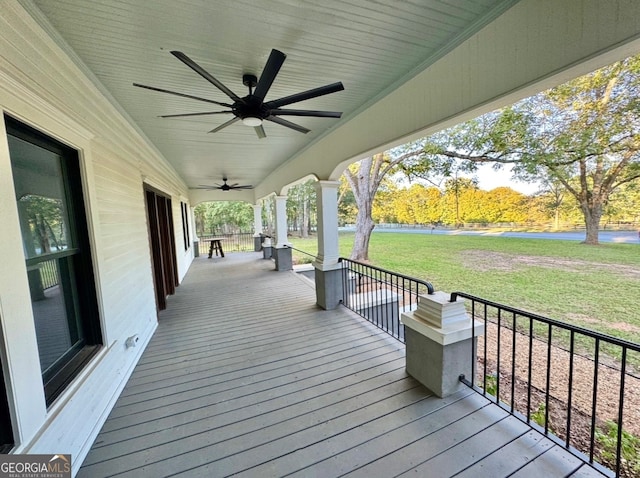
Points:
x=252 y=110
x=224 y=186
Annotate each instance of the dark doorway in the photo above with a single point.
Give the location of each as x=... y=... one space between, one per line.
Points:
x=6 y=431
x=161 y=241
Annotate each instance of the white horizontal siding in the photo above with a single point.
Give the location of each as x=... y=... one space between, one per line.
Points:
x=41 y=86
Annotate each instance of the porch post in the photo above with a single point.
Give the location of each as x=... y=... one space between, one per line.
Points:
x=257 y=227
x=328 y=271
x=196 y=240
x=282 y=251
x=440 y=343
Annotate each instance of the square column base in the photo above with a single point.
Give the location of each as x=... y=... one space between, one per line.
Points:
x=284 y=262
x=257 y=243
x=328 y=287
x=436 y=358
x=266 y=252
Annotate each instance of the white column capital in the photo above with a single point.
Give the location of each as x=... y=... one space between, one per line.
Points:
x=326 y=184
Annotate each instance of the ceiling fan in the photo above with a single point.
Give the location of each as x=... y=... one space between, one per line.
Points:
x=224 y=186
x=252 y=110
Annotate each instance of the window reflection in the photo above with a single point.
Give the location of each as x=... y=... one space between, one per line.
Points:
x=47 y=227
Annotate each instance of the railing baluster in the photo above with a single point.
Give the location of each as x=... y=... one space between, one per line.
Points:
x=486 y=332
x=498 y=339
x=473 y=341
x=513 y=364
x=530 y=368
x=594 y=404
x=548 y=385
x=623 y=372
x=570 y=387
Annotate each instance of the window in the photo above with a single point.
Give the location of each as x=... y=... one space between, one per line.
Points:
x=185 y=224
x=46 y=176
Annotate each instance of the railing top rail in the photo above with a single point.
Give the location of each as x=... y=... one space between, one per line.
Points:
x=563 y=325
x=428 y=285
x=300 y=250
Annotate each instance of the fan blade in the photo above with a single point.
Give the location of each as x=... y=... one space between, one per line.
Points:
x=226 y=105
x=246 y=186
x=319 y=114
x=202 y=186
x=305 y=95
x=271 y=69
x=288 y=124
x=233 y=185
x=195 y=114
x=260 y=132
x=224 y=125
x=206 y=75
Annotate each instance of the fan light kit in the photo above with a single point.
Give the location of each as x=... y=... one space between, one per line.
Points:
x=251 y=121
x=252 y=110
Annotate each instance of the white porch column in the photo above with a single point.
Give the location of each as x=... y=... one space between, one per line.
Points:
x=328 y=271
x=194 y=232
x=257 y=227
x=327 y=206
x=281 y=222
x=282 y=251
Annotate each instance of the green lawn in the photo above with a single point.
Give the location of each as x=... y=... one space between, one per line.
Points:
x=597 y=287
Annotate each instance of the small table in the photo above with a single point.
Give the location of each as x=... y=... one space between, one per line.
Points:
x=216 y=245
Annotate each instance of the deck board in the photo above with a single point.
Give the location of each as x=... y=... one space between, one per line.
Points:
x=246 y=376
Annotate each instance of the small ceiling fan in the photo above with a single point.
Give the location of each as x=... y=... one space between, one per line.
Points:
x=252 y=110
x=224 y=186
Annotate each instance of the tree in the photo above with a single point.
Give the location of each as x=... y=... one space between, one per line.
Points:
x=44 y=215
x=364 y=178
x=503 y=204
x=223 y=217
x=454 y=188
x=418 y=205
x=584 y=134
x=301 y=205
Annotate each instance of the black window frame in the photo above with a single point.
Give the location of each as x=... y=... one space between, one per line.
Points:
x=185 y=225
x=56 y=379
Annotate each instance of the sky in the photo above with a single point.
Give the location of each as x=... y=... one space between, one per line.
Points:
x=489 y=178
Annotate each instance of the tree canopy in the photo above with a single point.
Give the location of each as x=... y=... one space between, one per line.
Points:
x=583 y=135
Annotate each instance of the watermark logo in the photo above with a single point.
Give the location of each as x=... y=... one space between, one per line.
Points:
x=35 y=466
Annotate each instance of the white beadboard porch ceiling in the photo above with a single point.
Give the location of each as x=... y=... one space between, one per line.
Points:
x=371 y=46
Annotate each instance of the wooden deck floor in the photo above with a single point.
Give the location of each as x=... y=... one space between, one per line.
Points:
x=246 y=376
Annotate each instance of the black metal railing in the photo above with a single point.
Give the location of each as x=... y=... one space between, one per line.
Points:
x=577 y=386
x=49 y=273
x=308 y=254
x=241 y=242
x=379 y=295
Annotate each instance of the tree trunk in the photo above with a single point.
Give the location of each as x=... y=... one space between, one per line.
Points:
x=364 y=228
x=592 y=216
x=304 y=223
